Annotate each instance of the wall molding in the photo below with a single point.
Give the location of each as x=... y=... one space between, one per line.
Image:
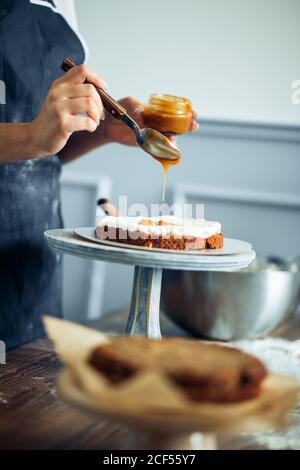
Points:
x=102 y=184
x=249 y=130
x=181 y=192
x=102 y=188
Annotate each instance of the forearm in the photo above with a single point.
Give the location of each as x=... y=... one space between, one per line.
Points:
x=16 y=142
x=82 y=142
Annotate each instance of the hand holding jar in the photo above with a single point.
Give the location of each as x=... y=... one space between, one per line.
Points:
x=168 y=114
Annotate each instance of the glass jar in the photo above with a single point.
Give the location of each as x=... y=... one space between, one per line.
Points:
x=168 y=114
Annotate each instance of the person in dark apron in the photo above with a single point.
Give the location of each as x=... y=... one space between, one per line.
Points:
x=33 y=42
x=40 y=118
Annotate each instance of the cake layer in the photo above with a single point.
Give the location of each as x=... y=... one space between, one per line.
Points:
x=163 y=226
x=166 y=232
x=204 y=372
x=149 y=240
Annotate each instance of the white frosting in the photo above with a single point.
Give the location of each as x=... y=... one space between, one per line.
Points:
x=184 y=227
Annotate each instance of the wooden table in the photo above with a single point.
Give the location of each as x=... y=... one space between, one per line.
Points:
x=32 y=416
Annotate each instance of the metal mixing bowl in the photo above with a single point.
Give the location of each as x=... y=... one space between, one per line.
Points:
x=232 y=305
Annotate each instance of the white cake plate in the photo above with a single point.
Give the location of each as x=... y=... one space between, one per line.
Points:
x=149 y=264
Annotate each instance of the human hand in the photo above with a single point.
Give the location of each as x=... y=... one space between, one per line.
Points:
x=116 y=131
x=71 y=105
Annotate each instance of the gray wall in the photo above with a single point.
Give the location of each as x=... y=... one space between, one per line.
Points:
x=232 y=58
x=242 y=56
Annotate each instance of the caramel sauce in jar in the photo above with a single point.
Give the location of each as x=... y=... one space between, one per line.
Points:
x=168 y=114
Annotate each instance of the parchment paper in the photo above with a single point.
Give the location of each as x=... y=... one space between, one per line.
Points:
x=151 y=400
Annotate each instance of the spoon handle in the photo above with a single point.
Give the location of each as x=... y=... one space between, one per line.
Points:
x=112 y=106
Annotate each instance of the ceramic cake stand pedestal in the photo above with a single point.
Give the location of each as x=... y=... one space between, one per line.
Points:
x=144 y=309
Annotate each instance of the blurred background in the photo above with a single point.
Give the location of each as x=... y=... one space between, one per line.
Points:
x=236 y=61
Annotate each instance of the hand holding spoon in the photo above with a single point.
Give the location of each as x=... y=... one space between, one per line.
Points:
x=151 y=141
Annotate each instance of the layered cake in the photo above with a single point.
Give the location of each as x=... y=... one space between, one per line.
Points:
x=202 y=371
x=168 y=232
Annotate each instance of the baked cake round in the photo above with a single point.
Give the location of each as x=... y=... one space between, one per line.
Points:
x=166 y=232
x=204 y=372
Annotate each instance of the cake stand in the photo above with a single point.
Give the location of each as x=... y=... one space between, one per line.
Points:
x=149 y=264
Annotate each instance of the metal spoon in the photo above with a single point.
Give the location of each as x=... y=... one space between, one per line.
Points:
x=151 y=141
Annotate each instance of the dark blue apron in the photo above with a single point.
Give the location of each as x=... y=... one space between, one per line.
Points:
x=34 y=40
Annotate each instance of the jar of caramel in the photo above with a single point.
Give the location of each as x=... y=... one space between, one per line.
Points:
x=168 y=114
